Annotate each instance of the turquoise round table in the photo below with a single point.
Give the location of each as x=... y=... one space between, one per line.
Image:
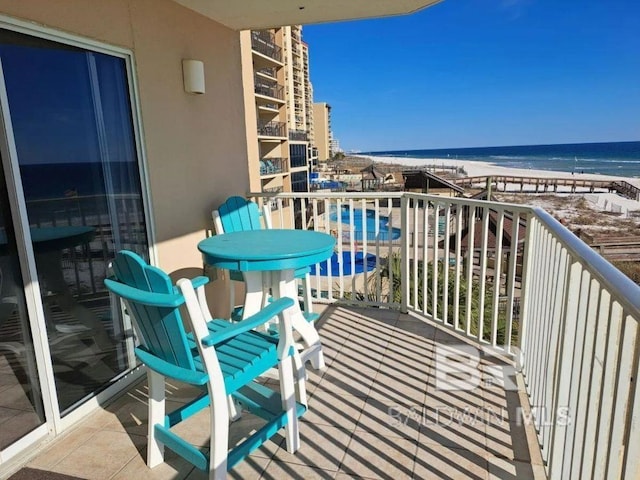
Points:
x=268 y=260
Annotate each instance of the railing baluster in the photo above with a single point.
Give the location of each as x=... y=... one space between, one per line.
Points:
x=434 y=259
x=611 y=371
x=352 y=246
x=575 y=380
x=414 y=255
x=497 y=280
x=340 y=246
x=565 y=368
x=470 y=260
x=631 y=459
x=446 y=264
x=377 y=247
x=425 y=260
x=595 y=387
x=404 y=256
x=483 y=271
x=623 y=406
x=557 y=319
x=458 y=269
x=510 y=282
x=390 y=255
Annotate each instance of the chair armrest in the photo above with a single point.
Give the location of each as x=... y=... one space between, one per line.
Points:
x=169 y=300
x=263 y=316
x=199 y=281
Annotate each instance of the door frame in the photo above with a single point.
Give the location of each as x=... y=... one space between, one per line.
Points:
x=54 y=423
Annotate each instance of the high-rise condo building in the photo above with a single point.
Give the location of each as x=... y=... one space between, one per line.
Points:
x=278 y=95
x=322 y=130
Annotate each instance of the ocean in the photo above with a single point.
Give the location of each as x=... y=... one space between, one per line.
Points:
x=613 y=158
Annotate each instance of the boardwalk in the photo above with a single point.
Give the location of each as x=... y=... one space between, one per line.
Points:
x=544 y=184
x=614 y=248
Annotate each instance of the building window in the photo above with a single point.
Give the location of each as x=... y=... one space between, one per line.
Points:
x=298 y=154
x=299 y=182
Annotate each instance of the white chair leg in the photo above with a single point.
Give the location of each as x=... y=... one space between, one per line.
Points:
x=219 y=442
x=155 y=449
x=307 y=300
x=287 y=391
x=316 y=357
x=300 y=379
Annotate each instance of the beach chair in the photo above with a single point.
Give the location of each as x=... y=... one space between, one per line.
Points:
x=238 y=214
x=222 y=358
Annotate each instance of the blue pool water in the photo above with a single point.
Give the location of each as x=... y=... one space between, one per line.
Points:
x=361 y=265
x=370 y=224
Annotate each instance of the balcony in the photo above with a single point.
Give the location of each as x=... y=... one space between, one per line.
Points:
x=266 y=89
x=298 y=135
x=542 y=329
x=263 y=42
x=269 y=72
x=272 y=166
x=272 y=129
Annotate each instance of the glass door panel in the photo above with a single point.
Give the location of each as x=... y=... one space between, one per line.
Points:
x=21 y=408
x=72 y=122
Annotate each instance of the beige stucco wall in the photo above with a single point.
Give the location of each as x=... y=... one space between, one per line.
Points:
x=321 y=130
x=196 y=146
x=253 y=151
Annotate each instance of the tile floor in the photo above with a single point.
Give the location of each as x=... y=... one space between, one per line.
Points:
x=376 y=412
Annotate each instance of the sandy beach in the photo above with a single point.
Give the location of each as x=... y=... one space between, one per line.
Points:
x=479 y=168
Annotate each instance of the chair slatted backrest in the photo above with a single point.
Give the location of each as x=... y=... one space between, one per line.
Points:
x=238 y=214
x=161 y=327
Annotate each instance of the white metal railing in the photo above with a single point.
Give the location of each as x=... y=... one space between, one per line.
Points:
x=463 y=264
x=512 y=278
x=367 y=232
x=580 y=349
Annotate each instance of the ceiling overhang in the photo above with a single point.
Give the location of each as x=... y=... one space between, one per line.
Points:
x=260 y=14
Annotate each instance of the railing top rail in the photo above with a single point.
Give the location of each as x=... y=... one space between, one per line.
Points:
x=608 y=275
x=322 y=196
x=512 y=207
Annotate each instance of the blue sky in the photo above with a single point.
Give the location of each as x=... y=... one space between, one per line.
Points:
x=472 y=73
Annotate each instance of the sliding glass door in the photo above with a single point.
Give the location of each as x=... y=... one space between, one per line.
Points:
x=70 y=115
x=21 y=407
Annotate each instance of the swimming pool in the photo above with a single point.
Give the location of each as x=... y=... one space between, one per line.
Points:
x=382 y=226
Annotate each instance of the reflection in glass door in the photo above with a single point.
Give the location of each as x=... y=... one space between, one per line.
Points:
x=21 y=408
x=71 y=117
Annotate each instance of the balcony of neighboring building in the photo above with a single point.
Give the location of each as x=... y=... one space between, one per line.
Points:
x=263 y=44
x=273 y=166
x=298 y=135
x=268 y=90
x=269 y=73
x=272 y=130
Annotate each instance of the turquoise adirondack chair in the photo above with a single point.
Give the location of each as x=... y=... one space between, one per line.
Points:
x=221 y=357
x=238 y=214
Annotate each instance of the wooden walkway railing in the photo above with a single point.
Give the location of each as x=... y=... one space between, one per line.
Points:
x=546 y=183
x=539 y=182
x=614 y=248
x=627 y=190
